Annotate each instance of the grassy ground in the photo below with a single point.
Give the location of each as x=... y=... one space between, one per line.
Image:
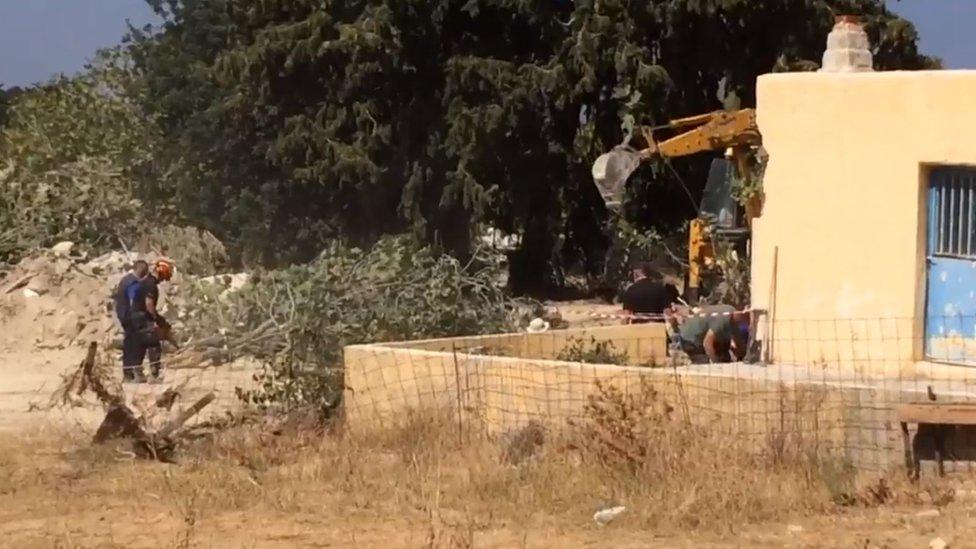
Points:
x=417 y=485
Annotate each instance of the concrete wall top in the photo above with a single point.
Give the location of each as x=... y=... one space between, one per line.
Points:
x=848 y=154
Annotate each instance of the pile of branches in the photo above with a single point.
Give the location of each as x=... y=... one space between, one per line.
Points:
x=120 y=421
x=297 y=320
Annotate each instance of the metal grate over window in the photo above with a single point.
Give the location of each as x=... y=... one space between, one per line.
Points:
x=953 y=209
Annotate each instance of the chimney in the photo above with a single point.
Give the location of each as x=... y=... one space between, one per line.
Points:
x=848 y=49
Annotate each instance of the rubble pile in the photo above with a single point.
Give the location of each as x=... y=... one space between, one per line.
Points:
x=58 y=298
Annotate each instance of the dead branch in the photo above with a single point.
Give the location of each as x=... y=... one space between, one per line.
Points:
x=90 y=380
x=175 y=424
x=166 y=400
x=20 y=282
x=120 y=421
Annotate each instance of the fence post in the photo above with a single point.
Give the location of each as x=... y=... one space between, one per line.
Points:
x=457 y=380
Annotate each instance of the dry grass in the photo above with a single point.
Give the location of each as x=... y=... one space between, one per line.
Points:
x=631 y=450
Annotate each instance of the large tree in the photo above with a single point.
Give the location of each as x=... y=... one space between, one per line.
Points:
x=298 y=121
x=77 y=162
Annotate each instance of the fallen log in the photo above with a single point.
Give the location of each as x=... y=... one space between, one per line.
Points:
x=119 y=422
x=175 y=424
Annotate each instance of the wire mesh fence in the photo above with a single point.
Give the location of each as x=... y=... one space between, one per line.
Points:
x=832 y=385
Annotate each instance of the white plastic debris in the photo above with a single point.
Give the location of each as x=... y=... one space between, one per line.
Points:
x=537 y=326
x=63 y=248
x=938 y=543
x=606 y=516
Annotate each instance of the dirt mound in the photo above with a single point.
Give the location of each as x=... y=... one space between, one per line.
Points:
x=57 y=298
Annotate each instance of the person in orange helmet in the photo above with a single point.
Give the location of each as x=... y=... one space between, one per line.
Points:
x=148 y=322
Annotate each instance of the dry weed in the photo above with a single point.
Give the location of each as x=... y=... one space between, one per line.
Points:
x=632 y=450
x=673 y=470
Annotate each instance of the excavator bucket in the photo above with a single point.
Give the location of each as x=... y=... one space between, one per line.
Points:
x=610 y=173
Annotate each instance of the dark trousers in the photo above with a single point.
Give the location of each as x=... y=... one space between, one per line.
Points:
x=155 y=354
x=139 y=341
x=130 y=351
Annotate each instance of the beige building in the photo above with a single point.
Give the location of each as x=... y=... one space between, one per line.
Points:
x=865 y=252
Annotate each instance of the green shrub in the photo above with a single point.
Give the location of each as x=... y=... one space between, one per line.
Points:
x=593 y=352
x=393 y=291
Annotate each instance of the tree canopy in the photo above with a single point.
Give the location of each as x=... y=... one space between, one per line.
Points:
x=285 y=124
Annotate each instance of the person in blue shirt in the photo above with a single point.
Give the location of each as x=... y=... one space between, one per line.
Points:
x=123 y=296
x=147 y=321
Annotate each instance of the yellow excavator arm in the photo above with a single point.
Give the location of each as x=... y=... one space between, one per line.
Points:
x=715 y=130
x=733 y=130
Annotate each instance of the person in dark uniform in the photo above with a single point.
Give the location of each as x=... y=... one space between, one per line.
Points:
x=123 y=296
x=147 y=321
x=717 y=333
x=648 y=295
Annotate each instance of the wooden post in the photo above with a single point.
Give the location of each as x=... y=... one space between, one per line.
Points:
x=457 y=378
x=772 y=308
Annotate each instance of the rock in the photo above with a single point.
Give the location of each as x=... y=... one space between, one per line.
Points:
x=63 y=248
x=28 y=293
x=62 y=266
x=39 y=285
x=928 y=513
x=606 y=516
x=67 y=326
x=112 y=262
x=938 y=543
x=794 y=528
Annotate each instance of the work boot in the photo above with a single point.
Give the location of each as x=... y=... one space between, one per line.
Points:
x=136 y=376
x=133 y=374
x=155 y=373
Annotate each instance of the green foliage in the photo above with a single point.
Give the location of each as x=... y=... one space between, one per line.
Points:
x=730 y=278
x=750 y=188
x=293 y=122
x=592 y=352
x=71 y=156
x=7 y=96
x=393 y=291
x=196 y=252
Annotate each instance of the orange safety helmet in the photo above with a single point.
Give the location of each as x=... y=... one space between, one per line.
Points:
x=164 y=270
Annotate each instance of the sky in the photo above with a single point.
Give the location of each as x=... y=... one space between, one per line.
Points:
x=41 y=38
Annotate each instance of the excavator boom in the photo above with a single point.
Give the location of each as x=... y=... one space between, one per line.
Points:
x=712 y=131
x=733 y=130
x=716 y=130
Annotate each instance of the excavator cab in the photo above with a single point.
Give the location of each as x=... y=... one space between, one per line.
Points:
x=718 y=204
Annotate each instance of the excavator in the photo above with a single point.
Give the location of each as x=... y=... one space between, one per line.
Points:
x=720 y=216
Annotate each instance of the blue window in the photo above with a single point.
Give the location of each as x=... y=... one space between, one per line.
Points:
x=952 y=228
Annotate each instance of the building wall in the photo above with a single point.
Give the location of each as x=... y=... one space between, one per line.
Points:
x=844 y=215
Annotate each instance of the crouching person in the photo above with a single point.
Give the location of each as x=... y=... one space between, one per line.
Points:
x=717 y=333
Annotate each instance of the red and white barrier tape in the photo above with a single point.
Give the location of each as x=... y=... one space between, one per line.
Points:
x=600 y=316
